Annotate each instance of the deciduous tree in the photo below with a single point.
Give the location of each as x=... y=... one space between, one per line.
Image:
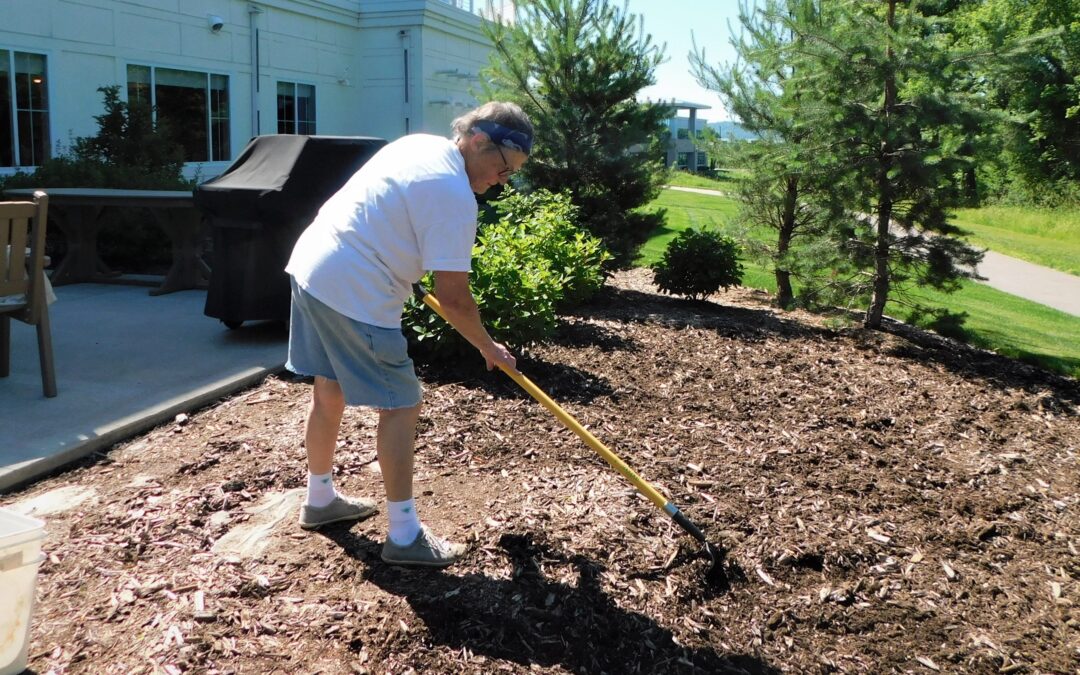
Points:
x=1034 y=78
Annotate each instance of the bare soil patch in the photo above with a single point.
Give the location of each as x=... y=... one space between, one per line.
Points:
x=894 y=502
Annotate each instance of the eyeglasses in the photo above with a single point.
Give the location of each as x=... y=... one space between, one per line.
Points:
x=506 y=171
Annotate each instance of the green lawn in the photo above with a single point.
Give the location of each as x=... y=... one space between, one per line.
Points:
x=685 y=209
x=1048 y=237
x=724 y=183
x=997 y=321
x=1011 y=326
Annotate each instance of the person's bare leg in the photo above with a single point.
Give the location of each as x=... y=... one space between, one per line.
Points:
x=407 y=542
x=395 y=445
x=323 y=423
x=324 y=505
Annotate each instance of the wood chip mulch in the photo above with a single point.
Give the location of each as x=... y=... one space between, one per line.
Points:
x=889 y=501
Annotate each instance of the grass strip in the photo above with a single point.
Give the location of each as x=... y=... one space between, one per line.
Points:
x=995 y=320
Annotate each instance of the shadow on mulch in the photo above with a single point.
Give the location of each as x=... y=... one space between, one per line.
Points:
x=563 y=383
x=973 y=363
x=529 y=619
x=572 y=333
x=569 y=384
x=753 y=325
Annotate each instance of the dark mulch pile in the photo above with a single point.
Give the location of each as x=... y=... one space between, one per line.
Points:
x=890 y=502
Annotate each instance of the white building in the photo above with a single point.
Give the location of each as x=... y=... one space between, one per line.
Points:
x=682 y=151
x=222 y=71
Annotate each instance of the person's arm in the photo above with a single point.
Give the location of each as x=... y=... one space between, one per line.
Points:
x=452 y=292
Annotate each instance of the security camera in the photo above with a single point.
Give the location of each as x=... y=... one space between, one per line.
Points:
x=216 y=23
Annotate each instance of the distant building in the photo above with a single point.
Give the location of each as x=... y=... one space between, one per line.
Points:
x=222 y=71
x=682 y=151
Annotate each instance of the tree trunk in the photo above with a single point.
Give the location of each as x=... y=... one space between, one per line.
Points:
x=785 y=296
x=971 y=187
x=884 y=197
x=881 y=263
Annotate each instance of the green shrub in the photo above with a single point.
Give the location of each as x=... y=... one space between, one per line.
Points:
x=129 y=151
x=550 y=220
x=697 y=263
x=525 y=265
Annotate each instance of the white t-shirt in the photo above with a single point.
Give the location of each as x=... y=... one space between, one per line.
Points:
x=408 y=210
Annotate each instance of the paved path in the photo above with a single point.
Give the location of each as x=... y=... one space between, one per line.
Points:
x=1017 y=277
x=1032 y=282
x=700 y=191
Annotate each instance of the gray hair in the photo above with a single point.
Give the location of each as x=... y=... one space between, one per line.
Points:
x=509 y=115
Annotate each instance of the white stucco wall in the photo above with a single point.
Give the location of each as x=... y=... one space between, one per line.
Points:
x=437 y=38
x=351 y=50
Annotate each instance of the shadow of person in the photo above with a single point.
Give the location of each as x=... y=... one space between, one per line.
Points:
x=529 y=619
x=564 y=383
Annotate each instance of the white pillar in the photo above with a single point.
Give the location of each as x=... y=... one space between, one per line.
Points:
x=692 y=133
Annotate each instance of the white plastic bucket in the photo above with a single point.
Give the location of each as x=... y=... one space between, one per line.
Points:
x=20 y=555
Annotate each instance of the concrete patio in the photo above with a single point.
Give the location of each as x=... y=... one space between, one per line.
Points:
x=125 y=362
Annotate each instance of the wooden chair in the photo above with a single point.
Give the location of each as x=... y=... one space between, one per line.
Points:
x=22 y=281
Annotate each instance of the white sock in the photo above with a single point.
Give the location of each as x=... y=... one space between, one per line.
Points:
x=404 y=523
x=320 y=489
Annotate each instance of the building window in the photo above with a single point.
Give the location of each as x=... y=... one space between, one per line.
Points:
x=682 y=133
x=24 y=109
x=193 y=105
x=295 y=108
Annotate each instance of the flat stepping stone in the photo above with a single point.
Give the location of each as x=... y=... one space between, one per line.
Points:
x=250 y=539
x=54 y=501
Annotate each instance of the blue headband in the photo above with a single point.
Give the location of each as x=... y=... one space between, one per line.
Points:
x=508 y=138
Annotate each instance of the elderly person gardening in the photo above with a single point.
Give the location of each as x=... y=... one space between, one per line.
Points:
x=408 y=210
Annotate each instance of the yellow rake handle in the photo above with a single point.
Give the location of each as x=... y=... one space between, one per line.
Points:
x=716 y=555
x=572 y=424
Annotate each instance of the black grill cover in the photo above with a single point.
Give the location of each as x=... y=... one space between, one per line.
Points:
x=257 y=209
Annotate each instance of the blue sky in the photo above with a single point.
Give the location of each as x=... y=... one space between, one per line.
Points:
x=672 y=21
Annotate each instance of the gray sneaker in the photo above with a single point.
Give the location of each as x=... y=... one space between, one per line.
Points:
x=427 y=550
x=339 y=510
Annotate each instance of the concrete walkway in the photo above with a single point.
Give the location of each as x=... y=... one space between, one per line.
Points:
x=125 y=362
x=1017 y=277
x=700 y=191
x=1032 y=282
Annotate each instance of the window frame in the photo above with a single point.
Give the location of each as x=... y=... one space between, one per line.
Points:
x=225 y=153
x=14 y=110
x=296 y=121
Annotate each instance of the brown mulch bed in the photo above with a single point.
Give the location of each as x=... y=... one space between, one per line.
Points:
x=890 y=502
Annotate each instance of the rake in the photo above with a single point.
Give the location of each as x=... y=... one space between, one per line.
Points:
x=715 y=554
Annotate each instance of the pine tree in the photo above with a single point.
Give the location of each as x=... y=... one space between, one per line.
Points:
x=129 y=140
x=760 y=90
x=890 y=127
x=576 y=66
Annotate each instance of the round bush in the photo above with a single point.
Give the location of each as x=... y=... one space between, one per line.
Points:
x=697 y=263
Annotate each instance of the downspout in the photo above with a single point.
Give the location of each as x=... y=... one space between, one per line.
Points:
x=406 y=42
x=253 y=30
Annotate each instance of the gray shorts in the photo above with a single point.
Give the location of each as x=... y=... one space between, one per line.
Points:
x=371 y=363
